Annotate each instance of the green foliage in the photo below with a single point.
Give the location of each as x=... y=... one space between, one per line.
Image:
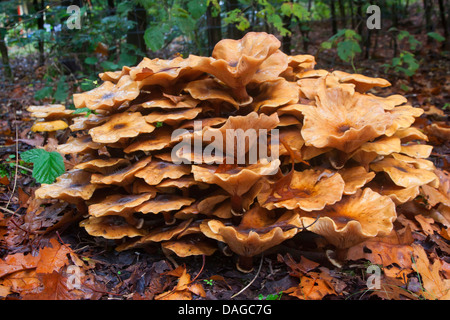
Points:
x=436 y=36
x=346 y=41
x=276 y=296
x=47 y=166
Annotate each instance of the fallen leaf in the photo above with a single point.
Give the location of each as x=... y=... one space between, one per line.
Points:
x=53 y=258
x=434 y=286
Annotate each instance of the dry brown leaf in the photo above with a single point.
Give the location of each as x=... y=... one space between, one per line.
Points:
x=434 y=286
x=53 y=258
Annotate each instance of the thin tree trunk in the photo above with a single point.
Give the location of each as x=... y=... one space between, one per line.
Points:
x=342 y=13
x=445 y=26
x=286 y=40
x=427 y=6
x=4 y=53
x=214 y=28
x=352 y=14
x=136 y=35
x=333 y=17
x=359 y=4
x=39 y=6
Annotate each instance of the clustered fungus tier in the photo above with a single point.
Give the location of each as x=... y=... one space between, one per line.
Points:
x=344 y=160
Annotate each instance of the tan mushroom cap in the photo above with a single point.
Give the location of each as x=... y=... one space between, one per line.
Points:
x=440 y=130
x=158 y=234
x=308 y=190
x=362 y=83
x=181 y=183
x=354 y=219
x=172 y=117
x=383 y=146
x=258 y=124
x=114 y=76
x=203 y=206
x=49 y=126
x=355 y=178
x=235 y=62
x=212 y=90
x=121 y=177
x=402 y=173
x=420 y=151
x=83 y=122
x=398 y=194
x=49 y=112
x=78 y=145
x=159 y=139
x=257 y=234
x=162 y=72
x=389 y=102
x=292 y=137
x=236 y=181
x=168 y=102
x=158 y=170
x=187 y=248
x=140 y=186
x=309 y=86
x=342 y=121
x=271 y=68
x=110 y=227
x=71 y=187
x=274 y=94
x=108 y=96
x=418 y=163
x=121 y=125
x=403 y=117
x=164 y=203
x=410 y=134
x=119 y=204
x=103 y=165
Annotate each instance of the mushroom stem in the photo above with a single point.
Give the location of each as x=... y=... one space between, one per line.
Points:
x=245 y=264
x=169 y=218
x=240 y=93
x=236 y=205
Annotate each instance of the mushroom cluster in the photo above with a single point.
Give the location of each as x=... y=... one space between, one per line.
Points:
x=158 y=165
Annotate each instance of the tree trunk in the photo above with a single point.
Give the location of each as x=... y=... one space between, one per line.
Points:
x=427 y=6
x=286 y=40
x=352 y=13
x=445 y=26
x=135 y=36
x=39 y=6
x=333 y=17
x=4 y=53
x=232 y=31
x=214 y=28
x=342 y=13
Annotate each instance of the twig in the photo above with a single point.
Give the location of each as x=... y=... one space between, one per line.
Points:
x=17 y=163
x=253 y=280
x=203 y=265
x=7 y=210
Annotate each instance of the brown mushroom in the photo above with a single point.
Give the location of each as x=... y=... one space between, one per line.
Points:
x=121 y=177
x=158 y=170
x=259 y=230
x=49 y=126
x=71 y=187
x=110 y=227
x=342 y=121
x=354 y=219
x=108 y=96
x=308 y=190
x=121 y=125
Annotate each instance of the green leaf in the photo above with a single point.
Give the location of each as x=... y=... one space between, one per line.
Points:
x=347 y=49
x=45 y=92
x=109 y=65
x=197 y=8
x=62 y=90
x=436 y=36
x=326 y=45
x=47 y=166
x=91 y=60
x=154 y=38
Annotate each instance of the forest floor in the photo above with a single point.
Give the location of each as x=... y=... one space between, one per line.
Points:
x=43 y=250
